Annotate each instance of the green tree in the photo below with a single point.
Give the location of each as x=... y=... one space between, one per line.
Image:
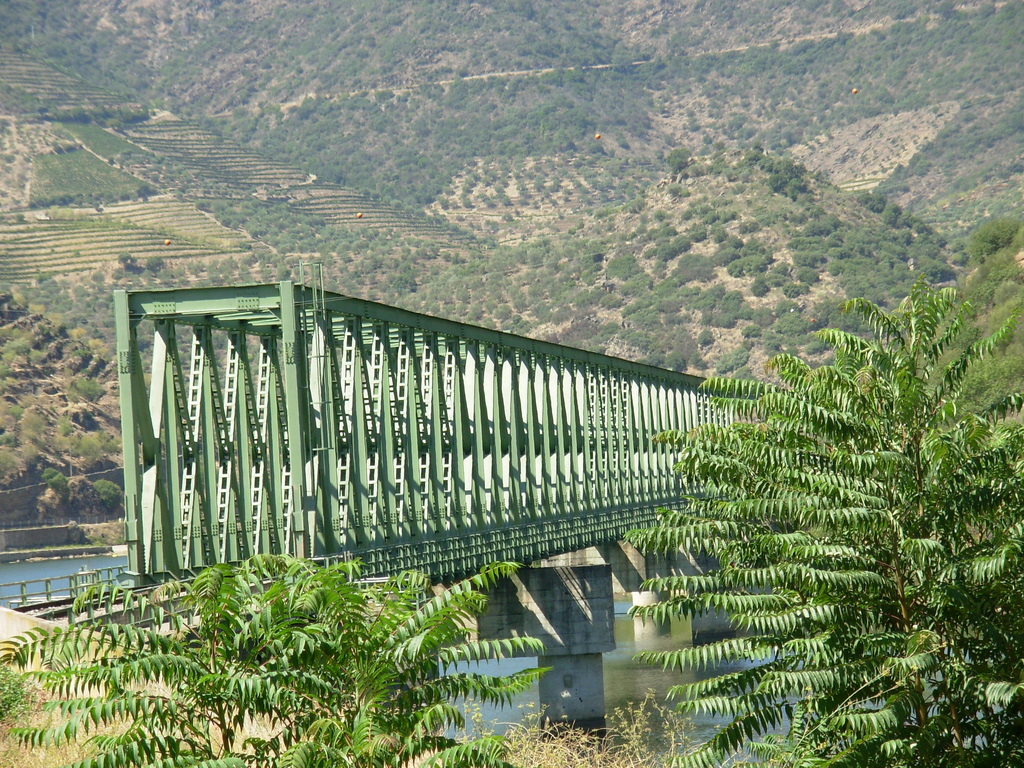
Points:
x=679 y=160
x=57 y=482
x=110 y=494
x=276 y=662
x=869 y=540
x=992 y=236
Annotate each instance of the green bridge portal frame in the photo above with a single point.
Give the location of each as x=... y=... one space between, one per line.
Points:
x=283 y=418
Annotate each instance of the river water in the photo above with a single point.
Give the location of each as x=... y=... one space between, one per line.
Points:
x=625 y=680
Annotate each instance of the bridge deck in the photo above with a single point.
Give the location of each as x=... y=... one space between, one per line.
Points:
x=283 y=418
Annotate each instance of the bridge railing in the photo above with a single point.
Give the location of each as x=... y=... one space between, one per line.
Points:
x=282 y=418
x=23 y=594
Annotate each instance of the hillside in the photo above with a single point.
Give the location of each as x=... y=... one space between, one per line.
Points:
x=720 y=263
x=696 y=185
x=59 y=423
x=734 y=257
x=399 y=99
x=995 y=289
x=723 y=261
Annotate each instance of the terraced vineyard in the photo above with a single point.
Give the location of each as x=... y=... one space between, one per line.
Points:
x=31 y=248
x=211 y=157
x=52 y=88
x=343 y=206
x=159 y=155
x=862 y=184
x=176 y=218
x=79 y=176
x=104 y=143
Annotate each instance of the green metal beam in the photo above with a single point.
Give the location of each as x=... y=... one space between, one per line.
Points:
x=315 y=424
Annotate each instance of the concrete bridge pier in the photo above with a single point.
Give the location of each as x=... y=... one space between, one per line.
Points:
x=567 y=602
x=649 y=628
x=570 y=609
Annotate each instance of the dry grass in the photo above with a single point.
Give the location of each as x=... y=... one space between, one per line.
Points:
x=14 y=755
x=644 y=734
x=108 y=534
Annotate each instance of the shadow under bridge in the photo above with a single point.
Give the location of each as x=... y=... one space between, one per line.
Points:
x=284 y=418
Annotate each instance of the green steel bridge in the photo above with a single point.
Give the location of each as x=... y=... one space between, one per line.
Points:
x=284 y=418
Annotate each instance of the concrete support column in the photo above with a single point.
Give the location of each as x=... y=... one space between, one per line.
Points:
x=645 y=629
x=573 y=691
x=571 y=610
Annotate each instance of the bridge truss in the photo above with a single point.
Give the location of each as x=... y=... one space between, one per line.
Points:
x=283 y=418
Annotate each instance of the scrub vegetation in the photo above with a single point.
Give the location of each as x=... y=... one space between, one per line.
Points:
x=274 y=662
x=868 y=536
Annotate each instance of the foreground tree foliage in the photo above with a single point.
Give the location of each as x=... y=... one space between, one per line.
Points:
x=276 y=662
x=869 y=539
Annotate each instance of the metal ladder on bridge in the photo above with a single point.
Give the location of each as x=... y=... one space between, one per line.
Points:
x=192 y=402
x=226 y=430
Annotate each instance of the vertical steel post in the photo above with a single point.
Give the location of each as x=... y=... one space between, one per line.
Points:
x=131 y=434
x=293 y=348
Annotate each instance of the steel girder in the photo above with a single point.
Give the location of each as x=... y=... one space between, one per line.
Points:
x=282 y=418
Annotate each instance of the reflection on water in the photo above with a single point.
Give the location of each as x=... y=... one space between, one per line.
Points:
x=625 y=681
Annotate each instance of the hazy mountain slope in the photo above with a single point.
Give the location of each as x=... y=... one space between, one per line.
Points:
x=274 y=50
x=959 y=77
x=361 y=95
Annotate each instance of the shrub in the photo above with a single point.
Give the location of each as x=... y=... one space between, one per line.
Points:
x=693 y=267
x=109 y=493
x=14 y=696
x=8 y=462
x=807 y=275
x=730 y=361
x=89 y=390
x=748 y=265
x=726 y=255
x=810 y=259
x=33 y=426
x=669 y=249
x=678 y=160
x=623 y=268
x=992 y=236
x=792 y=290
x=95 y=446
x=57 y=483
